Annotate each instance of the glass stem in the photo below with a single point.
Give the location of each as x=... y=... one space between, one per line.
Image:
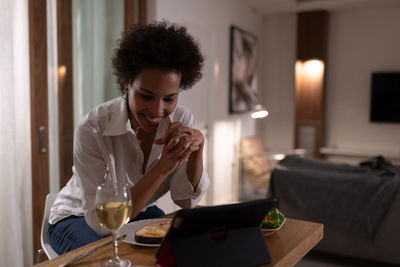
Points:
x=115 y=243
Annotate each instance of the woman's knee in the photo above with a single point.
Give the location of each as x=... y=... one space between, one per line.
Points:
x=71 y=233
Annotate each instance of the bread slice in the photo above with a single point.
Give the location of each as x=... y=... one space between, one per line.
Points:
x=153 y=233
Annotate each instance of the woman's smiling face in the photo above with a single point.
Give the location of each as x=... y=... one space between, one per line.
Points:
x=152 y=97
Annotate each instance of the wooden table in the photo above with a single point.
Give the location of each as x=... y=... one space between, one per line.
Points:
x=287 y=247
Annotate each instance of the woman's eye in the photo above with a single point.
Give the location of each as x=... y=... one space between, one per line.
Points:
x=146 y=97
x=169 y=99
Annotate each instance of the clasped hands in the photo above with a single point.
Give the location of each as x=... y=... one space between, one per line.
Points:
x=179 y=143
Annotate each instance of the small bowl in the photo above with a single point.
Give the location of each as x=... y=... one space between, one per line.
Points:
x=267 y=232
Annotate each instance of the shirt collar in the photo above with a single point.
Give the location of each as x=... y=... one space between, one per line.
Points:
x=164 y=124
x=120 y=123
x=119 y=118
x=163 y=127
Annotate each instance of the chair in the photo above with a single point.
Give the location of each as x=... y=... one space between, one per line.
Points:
x=255 y=161
x=46 y=248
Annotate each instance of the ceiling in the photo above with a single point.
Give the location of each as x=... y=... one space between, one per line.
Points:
x=265 y=7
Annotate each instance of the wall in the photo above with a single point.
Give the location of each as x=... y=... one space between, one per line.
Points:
x=209 y=22
x=360 y=41
x=277 y=130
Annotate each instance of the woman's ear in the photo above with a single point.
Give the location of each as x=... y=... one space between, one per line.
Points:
x=125 y=91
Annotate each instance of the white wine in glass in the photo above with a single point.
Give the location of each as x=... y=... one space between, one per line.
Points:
x=113 y=208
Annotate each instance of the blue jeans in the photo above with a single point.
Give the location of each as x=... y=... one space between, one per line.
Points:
x=73 y=232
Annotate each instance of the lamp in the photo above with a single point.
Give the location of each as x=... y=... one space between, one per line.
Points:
x=259 y=112
x=310 y=74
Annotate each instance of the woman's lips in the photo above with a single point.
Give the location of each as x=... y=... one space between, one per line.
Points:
x=153 y=120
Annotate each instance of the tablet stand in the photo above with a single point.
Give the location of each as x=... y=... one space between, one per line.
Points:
x=220 y=236
x=240 y=247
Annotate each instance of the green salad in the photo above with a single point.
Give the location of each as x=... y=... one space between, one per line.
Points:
x=273 y=219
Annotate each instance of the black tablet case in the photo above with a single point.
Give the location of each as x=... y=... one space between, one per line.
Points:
x=227 y=235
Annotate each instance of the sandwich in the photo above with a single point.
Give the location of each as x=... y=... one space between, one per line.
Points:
x=153 y=233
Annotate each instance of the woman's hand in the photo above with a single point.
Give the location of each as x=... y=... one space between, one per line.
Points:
x=179 y=143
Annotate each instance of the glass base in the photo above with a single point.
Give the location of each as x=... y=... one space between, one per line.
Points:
x=116 y=262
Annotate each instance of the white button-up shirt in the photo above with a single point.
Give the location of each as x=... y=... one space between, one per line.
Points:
x=105 y=139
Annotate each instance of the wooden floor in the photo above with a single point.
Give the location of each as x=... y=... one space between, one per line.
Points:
x=320 y=259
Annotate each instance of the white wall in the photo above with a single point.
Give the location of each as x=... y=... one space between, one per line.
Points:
x=279 y=33
x=209 y=22
x=360 y=41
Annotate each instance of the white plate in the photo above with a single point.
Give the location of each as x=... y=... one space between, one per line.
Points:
x=131 y=228
x=271 y=231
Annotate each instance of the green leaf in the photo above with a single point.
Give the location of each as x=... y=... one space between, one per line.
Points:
x=277 y=220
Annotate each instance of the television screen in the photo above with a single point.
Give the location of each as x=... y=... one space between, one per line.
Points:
x=385 y=97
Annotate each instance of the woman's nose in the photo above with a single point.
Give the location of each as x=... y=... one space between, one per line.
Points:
x=158 y=108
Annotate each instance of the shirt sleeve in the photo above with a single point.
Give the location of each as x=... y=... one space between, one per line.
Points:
x=90 y=169
x=182 y=191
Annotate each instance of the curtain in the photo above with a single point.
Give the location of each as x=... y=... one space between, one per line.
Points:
x=52 y=64
x=97 y=25
x=15 y=139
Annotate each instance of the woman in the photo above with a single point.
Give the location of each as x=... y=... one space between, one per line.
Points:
x=143 y=136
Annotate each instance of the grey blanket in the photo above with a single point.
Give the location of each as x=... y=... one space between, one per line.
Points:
x=351 y=198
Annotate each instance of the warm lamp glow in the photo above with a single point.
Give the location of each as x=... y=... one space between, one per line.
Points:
x=313 y=68
x=309 y=75
x=278 y=156
x=259 y=114
x=62 y=70
x=216 y=69
x=310 y=69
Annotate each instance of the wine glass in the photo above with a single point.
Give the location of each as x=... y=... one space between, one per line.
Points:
x=113 y=208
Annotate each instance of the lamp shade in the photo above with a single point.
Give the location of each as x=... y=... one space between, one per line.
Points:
x=259 y=112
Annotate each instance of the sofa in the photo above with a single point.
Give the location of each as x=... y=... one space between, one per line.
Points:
x=382 y=244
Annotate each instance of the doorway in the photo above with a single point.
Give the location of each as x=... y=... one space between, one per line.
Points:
x=53 y=97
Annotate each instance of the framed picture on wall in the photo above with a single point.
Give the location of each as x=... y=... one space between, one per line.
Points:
x=243 y=71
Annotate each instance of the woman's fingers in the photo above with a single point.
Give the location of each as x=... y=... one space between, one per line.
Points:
x=179 y=143
x=175 y=142
x=177 y=136
x=182 y=149
x=187 y=153
x=178 y=150
x=174 y=129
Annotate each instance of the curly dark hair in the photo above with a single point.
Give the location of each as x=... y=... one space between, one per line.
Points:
x=157 y=45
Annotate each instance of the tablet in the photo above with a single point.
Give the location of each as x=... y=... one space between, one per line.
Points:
x=226 y=235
